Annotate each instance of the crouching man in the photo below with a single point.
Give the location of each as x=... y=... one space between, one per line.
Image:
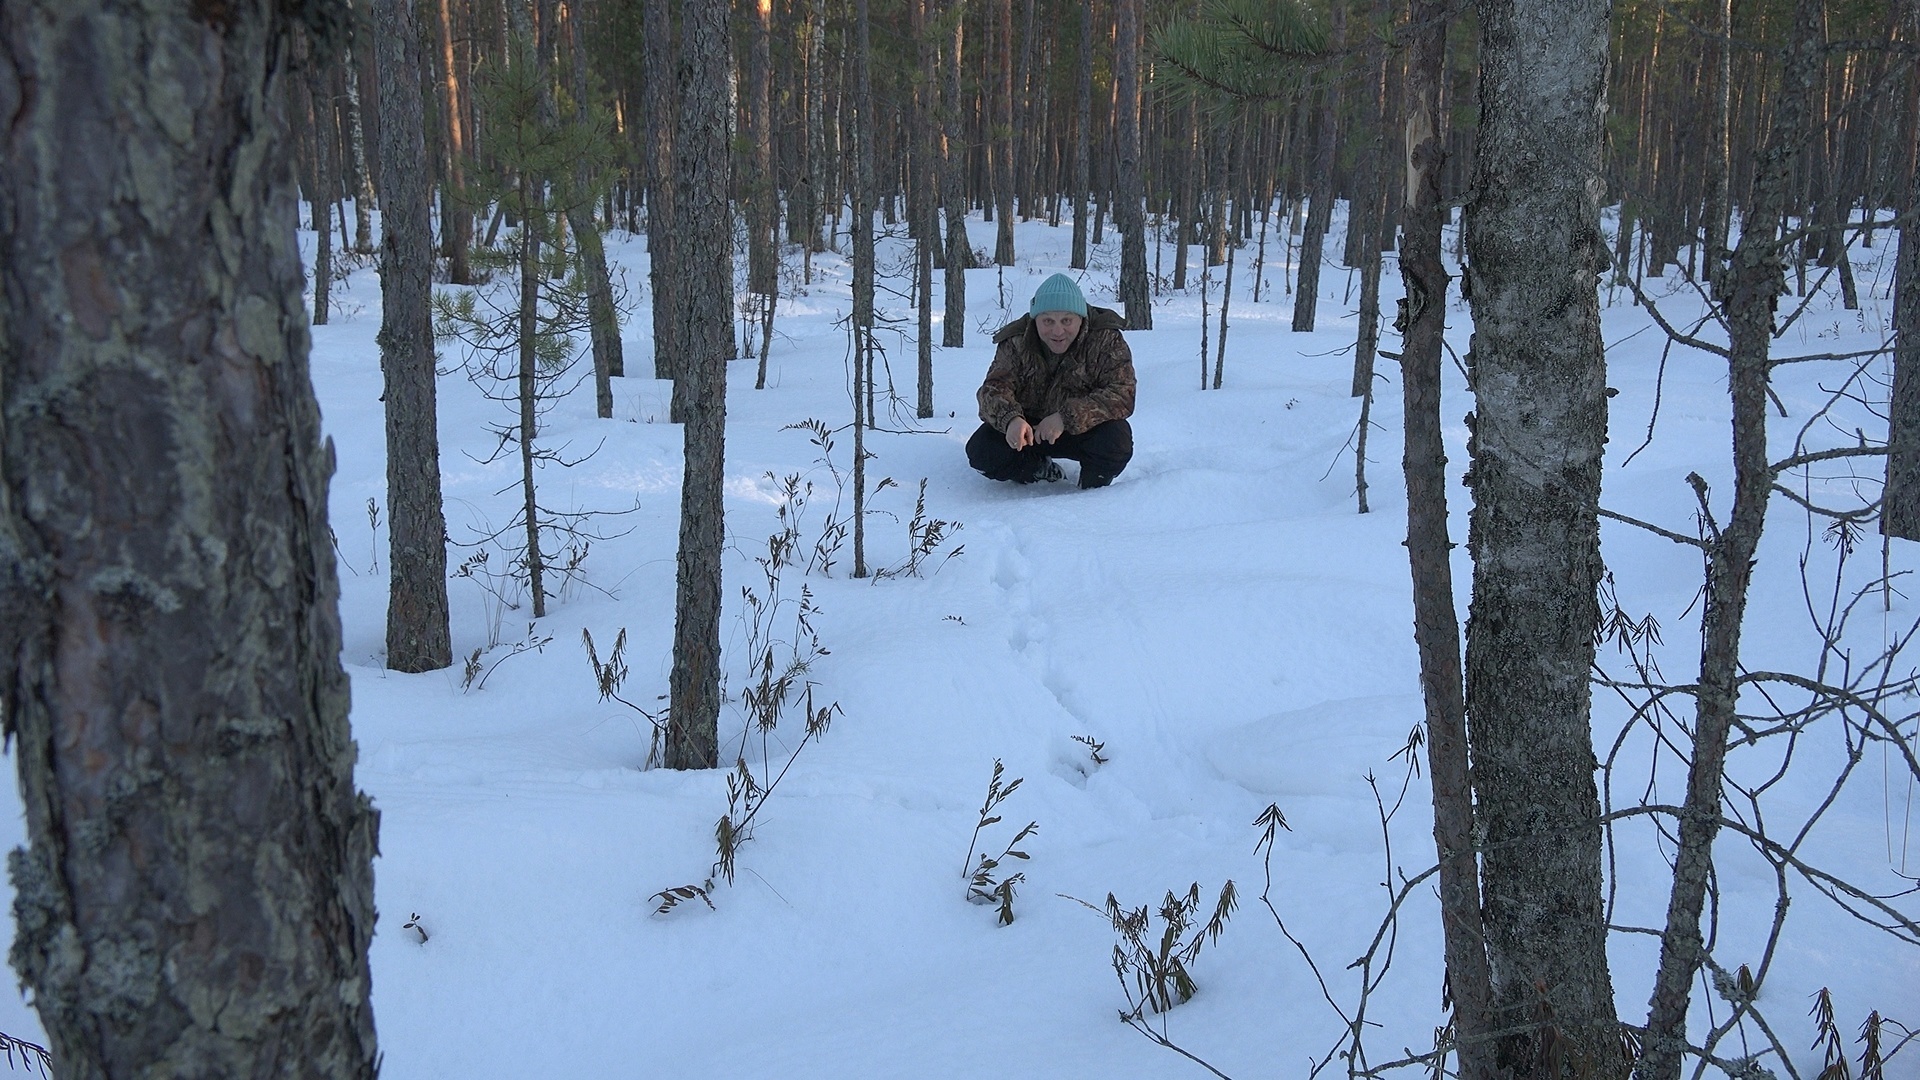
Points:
x=1061 y=386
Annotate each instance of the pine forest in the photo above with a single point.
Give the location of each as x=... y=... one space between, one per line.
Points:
x=524 y=525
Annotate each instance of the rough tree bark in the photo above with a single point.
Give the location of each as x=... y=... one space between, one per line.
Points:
x=1538 y=368
x=1129 y=215
x=197 y=899
x=704 y=332
x=1422 y=322
x=1900 y=515
x=418 y=636
x=1755 y=279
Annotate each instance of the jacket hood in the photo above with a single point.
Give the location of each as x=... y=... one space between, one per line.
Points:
x=1098 y=318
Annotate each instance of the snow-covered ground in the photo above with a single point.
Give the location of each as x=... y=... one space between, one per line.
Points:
x=1221 y=621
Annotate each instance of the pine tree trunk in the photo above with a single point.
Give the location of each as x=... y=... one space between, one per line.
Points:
x=663 y=239
x=1535 y=252
x=1719 y=208
x=1082 y=137
x=953 y=325
x=1368 y=209
x=1901 y=514
x=1029 y=118
x=532 y=213
x=197 y=899
x=1128 y=210
x=1436 y=628
x=603 y=322
x=705 y=334
x=1306 y=298
x=324 y=186
x=363 y=194
x=418 y=637
x=1003 y=136
x=1186 y=200
x=923 y=210
x=863 y=274
x=456 y=216
x=1219 y=227
x=759 y=194
x=816 y=128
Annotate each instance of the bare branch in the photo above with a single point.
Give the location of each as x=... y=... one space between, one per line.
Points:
x=1798 y=460
x=1678 y=538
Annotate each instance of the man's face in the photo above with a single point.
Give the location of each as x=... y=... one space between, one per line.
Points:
x=1058 y=329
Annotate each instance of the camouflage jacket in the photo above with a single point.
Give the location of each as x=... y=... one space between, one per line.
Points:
x=1089 y=384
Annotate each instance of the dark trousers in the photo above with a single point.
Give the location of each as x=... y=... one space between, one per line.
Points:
x=1102 y=453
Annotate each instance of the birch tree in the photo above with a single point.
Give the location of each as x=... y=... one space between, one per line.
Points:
x=1538 y=374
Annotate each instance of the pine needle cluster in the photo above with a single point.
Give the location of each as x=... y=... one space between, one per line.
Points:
x=1243 y=51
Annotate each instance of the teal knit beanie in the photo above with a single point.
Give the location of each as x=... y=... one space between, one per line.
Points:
x=1058 y=293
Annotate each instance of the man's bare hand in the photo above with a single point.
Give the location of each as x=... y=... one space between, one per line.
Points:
x=1050 y=429
x=1020 y=433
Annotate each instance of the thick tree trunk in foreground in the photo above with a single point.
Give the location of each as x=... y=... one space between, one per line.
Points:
x=198 y=897
x=704 y=331
x=1128 y=214
x=1436 y=629
x=1755 y=280
x=1535 y=253
x=418 y=637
